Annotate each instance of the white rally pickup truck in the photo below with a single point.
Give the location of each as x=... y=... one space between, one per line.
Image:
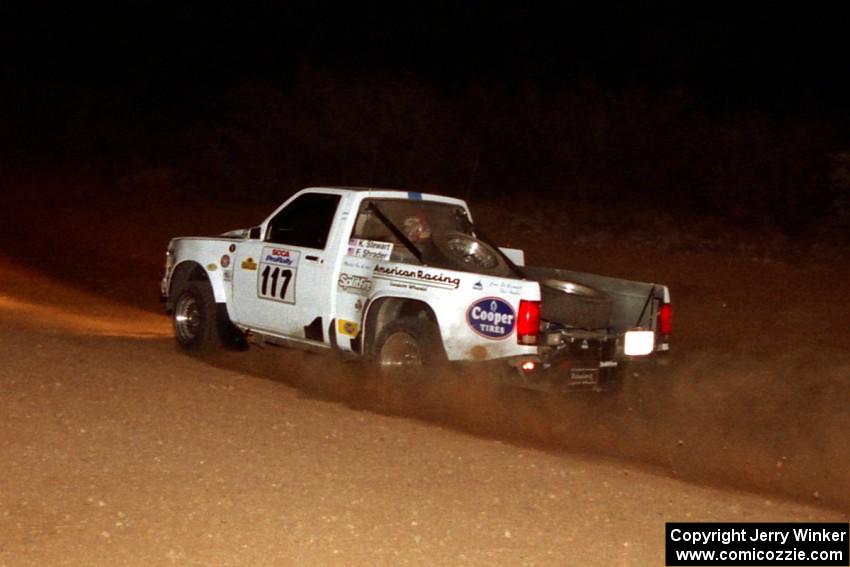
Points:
x=404 y=279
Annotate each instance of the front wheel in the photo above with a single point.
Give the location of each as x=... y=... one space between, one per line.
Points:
x=195 y=318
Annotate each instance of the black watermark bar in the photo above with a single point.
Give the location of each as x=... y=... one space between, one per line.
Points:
x=764 y=544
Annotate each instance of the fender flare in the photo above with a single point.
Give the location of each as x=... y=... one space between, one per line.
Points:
x=191 y=270
x=399 y=305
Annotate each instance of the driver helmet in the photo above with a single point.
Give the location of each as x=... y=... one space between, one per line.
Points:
x=416 y=228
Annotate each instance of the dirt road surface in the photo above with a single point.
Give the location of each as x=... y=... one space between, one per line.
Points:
x=120 y=450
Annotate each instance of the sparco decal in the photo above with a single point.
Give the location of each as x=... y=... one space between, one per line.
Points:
x=420 y=277
x=491 y=318
x=354 y=284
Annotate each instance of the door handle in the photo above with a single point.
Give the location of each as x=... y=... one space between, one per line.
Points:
x=312 y=258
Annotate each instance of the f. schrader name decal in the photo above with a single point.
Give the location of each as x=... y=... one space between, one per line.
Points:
x=491 y=317
x=374 y=249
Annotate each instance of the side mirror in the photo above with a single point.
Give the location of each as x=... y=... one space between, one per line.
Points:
x=254 y=233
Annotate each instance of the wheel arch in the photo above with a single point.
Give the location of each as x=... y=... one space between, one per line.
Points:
x=185 y=272
x=382 y=310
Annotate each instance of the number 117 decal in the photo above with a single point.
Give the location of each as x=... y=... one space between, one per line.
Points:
x=277 y=283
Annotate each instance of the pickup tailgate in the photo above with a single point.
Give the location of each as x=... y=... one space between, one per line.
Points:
x=633 y=304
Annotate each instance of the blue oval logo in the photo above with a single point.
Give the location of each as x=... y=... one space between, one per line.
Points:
x=491 y=317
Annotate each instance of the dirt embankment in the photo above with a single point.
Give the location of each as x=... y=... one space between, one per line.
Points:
x=756 y=393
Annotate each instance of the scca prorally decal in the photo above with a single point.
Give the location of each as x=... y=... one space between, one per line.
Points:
x=492 y=318
x=276 y=276
x=281 y=257
x=360 y=285
x=421 y=277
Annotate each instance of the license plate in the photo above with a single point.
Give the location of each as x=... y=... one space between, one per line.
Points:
x=584 y=376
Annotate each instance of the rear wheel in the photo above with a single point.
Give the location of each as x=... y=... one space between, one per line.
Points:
x=195 y=318
x=407 y=344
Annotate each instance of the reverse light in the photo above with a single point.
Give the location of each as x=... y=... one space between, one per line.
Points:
x=665 y=319
x=528 y=322
x=639 y=342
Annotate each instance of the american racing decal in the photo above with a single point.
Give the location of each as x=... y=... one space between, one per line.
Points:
x=249 y=264
x=281 y=257
x=491 y=317
x=416 y=277
x=374 y=249
x=359 y=285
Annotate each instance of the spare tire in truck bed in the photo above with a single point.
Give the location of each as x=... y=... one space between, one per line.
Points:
x=574 y=305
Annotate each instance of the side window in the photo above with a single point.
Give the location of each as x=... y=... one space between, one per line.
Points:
x=306 y=221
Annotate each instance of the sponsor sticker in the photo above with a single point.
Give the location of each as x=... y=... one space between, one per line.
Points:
x=281 y=257
x=355 y=264
x=359 y=285
x=249 y=264
x=276 y=283
x=504 y=288
x=492 y=318
x=277 y=275
x=478 y=285
x=416 y=279
x=347 y=328
x=374 y=249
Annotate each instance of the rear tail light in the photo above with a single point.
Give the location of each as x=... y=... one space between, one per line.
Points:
x=665 y=319
x=528 y=322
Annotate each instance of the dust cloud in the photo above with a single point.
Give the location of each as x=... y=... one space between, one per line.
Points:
x=755 y=393
x=711 y=418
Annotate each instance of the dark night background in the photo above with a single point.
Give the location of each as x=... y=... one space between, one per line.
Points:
x=710 y=109
x=702 y=145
